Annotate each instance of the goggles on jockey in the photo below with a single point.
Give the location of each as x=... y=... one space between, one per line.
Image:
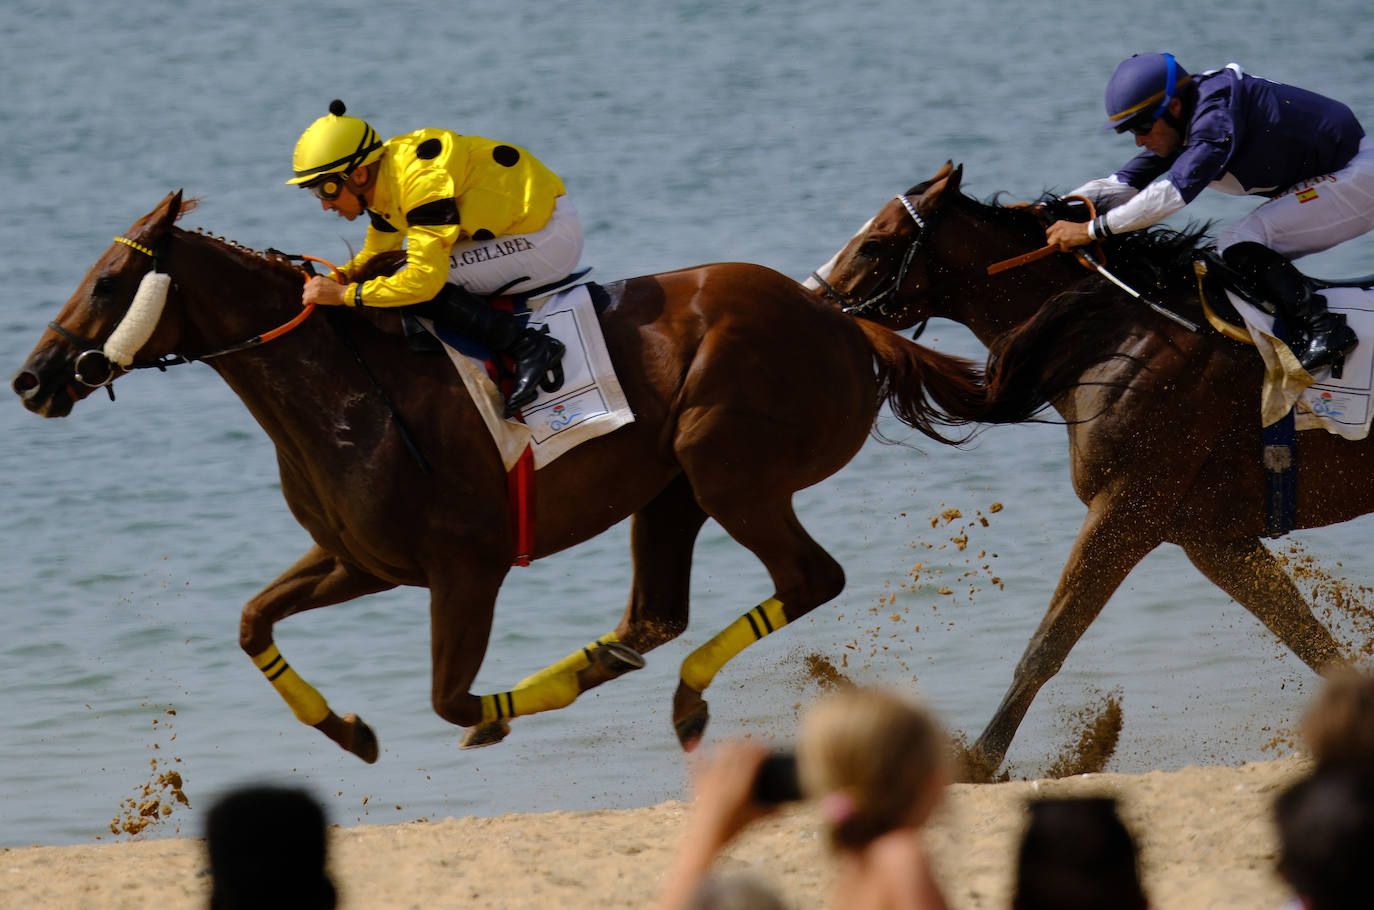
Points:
x=327 y=188
x=1139 y=125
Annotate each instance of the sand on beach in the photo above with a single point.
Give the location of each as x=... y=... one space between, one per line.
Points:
x=1206 y=837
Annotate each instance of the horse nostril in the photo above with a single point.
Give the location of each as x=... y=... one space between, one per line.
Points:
x=25 y=383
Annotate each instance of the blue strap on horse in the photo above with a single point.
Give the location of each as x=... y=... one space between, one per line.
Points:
x=1279 y=448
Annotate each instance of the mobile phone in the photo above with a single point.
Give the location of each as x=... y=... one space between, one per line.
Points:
x=777 y=779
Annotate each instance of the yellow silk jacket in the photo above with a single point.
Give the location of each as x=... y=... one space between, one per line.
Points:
x=435 y=188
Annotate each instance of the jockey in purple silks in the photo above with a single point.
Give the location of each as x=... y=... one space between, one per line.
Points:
x=1242 y=135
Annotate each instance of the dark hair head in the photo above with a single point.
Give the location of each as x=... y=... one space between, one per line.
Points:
x=1077 y=854
x=1326 y=837
x=267 y=850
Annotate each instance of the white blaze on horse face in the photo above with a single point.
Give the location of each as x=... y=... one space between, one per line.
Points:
x=813 y=283
x=137 y=326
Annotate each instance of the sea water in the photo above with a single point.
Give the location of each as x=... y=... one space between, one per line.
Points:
x=687 y=132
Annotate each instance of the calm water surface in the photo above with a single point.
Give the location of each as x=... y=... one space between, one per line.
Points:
x=688 y=133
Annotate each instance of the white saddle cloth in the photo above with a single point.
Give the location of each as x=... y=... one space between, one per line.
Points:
x=590 y=402
x=1342 y=406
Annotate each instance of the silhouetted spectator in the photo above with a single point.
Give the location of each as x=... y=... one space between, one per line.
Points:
x=1077 y=854
x=267 y=849
x=1326 y=839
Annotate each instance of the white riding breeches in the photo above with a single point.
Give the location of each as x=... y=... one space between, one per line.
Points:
x=520 y=262
x=1313 y=215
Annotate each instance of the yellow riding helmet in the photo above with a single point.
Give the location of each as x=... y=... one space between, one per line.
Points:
x=334 y=144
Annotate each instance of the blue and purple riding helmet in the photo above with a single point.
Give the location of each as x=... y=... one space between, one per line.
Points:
x=1140 y=90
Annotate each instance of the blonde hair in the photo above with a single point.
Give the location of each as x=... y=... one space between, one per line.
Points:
x=1339 y=726
x=873 y=756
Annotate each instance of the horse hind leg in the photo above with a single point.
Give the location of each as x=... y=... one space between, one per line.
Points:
x=804 y=577
x=662 y=537
x=316 y=580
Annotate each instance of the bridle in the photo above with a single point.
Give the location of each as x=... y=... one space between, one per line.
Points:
x=876 y=303
x=93 y=363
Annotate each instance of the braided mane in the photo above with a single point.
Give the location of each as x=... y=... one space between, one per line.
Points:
x=273 y=259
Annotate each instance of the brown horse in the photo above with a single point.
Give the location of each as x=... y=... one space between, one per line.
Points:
x=745 y=389
x=1164 y=436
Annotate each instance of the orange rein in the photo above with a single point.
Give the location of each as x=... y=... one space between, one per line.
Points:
x=1049 y=248
x=306 y=310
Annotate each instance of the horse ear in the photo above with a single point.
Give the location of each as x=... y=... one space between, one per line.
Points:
x=166 y=214
x=947 y=182
x=955 y=179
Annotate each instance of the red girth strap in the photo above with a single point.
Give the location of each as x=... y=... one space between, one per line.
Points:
x=520 y=484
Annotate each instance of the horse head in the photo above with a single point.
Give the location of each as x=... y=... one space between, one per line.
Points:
x=115 y=314
x=155 y=293
x=882 y=273
x=926 y=251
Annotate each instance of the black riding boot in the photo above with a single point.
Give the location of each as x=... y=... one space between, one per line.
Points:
x=536 y=353
x=1321 y=338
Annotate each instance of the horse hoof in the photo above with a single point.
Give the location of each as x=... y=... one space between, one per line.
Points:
x=616 y=659
x=487 y=734
x=973 y=766
x=362 y=742
x=690 y=715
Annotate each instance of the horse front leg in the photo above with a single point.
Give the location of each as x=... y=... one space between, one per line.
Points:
x=1250 y=573
x=318 y=579
x=662 y=537
x=1110 y=544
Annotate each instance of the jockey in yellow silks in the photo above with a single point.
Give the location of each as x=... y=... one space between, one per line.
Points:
x=475 y=217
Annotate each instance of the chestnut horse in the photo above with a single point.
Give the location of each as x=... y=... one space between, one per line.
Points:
x=745 y=389
x=1164 y=435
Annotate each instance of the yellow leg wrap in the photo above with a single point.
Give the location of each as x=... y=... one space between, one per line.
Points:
x=308 y=705
x=701 y=665
x=574 y=662
x=553 y=687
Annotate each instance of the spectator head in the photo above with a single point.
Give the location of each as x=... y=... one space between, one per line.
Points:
x=1339 y=726
x=1077 y=854
x=876 y=761
x=267 y=850
x=1326 y=837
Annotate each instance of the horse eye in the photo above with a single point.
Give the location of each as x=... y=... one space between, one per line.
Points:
x=105 y=286
x=870 y=248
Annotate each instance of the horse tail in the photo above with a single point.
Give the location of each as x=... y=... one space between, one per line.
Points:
x=924 y=388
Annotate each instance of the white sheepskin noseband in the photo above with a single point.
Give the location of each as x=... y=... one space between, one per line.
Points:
x=138 y=324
